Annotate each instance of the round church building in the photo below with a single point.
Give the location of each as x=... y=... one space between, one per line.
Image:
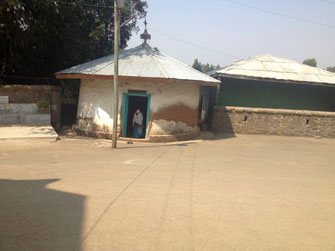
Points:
x=159 y=96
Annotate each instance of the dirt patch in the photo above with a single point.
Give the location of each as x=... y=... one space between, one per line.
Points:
x=232 y=193
x=178 y=112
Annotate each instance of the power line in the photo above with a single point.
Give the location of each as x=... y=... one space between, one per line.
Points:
x=80 y=4
x=282 y=14
x=325 y=1
x=193 y=44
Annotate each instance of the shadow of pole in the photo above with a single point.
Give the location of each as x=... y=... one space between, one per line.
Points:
x=33 y=217
x=157 y=146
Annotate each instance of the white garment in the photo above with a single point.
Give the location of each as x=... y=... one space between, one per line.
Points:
x=138 y=118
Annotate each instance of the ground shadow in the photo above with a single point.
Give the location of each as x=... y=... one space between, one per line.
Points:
x=222 y=125
x=223 y=135
x=157 y=145
x=212 y=136
x=33 y=217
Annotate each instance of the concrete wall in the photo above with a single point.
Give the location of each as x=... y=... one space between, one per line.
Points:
x=250 y=93
x=18 y=108
x=274 y=121
x=32 y=94
x=173 y=106
x=25 y=119
x=23 y=114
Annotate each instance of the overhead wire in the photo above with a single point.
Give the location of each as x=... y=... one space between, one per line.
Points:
x=203 y=47
x=193 y=44
x=282 y=14
x=325 y=1
x=80 y=4
x=232 y=1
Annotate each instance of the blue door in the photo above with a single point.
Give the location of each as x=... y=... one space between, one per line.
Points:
x=131 y=102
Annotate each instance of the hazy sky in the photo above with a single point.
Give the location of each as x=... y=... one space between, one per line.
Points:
x=226 y=27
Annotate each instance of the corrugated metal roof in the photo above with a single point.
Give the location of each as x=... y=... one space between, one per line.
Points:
x=142 y=61
x=269 y=67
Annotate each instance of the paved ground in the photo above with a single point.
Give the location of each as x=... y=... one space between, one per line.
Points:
x=22 y=132
x=238 y=193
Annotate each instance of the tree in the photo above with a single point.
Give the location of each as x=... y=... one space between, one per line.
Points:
x=197 y=65
x=204 y=67
x=331 y=68
x=310 y=62
x=38 y=38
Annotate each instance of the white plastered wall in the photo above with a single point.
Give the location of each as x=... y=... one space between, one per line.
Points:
x=96 y=103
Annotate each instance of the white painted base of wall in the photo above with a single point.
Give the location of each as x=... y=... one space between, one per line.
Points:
x=152 y=138
x=164 y=127
x=24 y=119
x=18 y=108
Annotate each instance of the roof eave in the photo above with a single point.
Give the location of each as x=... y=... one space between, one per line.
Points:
x=130 y=78
x=243 y=77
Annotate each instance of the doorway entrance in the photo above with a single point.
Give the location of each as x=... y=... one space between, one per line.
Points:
x=131 y=102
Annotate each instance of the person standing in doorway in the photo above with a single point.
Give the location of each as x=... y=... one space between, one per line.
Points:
x=138 y=124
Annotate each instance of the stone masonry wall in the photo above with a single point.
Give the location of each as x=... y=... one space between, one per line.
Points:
x=274 y=121
x=33 y=93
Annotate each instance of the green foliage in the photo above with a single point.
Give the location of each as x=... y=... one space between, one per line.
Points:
x=38 y=38
x=331 y=68
x=70 y=91
x=310 y=62
x=43 y=103
x=197 y=65
x=204 y=67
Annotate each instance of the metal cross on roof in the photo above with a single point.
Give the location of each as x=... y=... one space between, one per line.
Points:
x=145 y=35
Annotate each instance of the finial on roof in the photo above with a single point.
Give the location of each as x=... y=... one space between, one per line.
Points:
x=145 y=35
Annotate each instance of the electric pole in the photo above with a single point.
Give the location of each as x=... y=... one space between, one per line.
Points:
x=116 y=71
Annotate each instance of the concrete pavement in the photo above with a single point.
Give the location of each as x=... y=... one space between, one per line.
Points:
x=234 y=193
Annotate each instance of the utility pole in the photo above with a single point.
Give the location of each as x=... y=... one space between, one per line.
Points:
x=116 y=70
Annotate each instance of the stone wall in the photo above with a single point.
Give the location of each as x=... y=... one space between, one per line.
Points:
x=32 y=94
x=274 y=121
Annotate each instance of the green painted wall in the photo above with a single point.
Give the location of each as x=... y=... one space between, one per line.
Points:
x=247 y=93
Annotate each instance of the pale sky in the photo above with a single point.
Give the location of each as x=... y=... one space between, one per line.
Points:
x=226 y=27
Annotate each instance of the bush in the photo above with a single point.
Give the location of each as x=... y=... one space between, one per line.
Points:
x=43 y=103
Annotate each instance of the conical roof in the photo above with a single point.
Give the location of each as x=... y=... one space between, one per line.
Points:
x=267 y=67
x=141 y=62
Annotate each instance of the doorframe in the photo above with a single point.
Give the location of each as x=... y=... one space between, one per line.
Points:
x=125 y=111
